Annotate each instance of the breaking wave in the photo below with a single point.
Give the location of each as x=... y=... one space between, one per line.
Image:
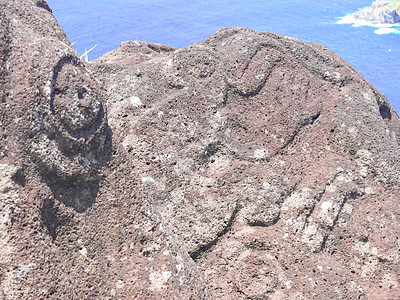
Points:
x=380 y=28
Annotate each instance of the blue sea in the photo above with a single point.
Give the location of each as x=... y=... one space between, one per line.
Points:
x=373 y=52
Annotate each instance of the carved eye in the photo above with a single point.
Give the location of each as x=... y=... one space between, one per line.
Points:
x=75 y=104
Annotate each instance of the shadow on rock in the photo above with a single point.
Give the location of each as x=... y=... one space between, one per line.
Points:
x=81 y=192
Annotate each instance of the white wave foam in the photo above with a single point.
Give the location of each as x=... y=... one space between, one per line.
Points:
x=349 y=19
x=382 y=28
x=387 y=30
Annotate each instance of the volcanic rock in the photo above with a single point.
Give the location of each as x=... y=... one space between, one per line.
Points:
x=273 y=162
x=75 y=222
x=246 y=166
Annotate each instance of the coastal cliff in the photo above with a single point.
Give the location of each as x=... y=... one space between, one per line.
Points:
x=247 y=166
x=380 y=12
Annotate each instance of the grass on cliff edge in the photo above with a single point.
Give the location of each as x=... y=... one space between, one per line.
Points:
x=84 y=56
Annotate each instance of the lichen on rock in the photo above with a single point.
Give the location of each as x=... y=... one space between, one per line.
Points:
x=246 y=166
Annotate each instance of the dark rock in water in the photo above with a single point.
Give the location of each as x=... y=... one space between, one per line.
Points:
x=380 y=12
x=246 y=166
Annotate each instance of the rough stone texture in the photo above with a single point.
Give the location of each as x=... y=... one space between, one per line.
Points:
x=247 y=166
x=273 y=162
x=75 y=222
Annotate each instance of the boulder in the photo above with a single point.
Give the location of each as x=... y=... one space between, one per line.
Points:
x=273 y=162
x=74 y=219
x=246 y=166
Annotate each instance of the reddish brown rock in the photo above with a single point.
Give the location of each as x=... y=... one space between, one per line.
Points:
x=246 y=166
x=273 y=162
x=74 y=220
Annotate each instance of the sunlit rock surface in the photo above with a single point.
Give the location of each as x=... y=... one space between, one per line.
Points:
x=246 y=166
x=380 y=12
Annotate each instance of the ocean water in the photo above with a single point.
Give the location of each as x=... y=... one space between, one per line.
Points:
x=373 y=51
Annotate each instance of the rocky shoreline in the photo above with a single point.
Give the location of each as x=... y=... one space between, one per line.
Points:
x=380 y=12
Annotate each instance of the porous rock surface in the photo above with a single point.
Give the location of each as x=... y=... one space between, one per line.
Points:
x=246 y=166
x=74 y=219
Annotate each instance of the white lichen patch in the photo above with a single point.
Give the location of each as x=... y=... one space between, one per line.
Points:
x=353 y=131
x=149 y=179
x=334 y=76
x=23 y=270
x=364 y=156
x=163 y=157
x=217 y=120
x=261 y=153
x=158 y=279
x=354 y=285
x=367 y=96
x=177 y=195
x=311 y=237
x=365 y=249
x=288 y=284
x=363 y=171
x=389 y=281
x=119 y=284
x=86 y=161
x=169 y=63
x=228 y=132
x=166 y=275
x=347 y=177
x=325 y=206
x=370 y=190
x=298 y=199
x=83 y=251
x=347 y=209
x=178 y=267
x=295 y=224
x=369 y=267
x=280 y=163
x=135 y=101
x=4 y=217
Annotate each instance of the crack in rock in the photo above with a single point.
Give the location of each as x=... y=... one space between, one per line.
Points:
x=301 y=124
x=352 y=195
x=202 y=250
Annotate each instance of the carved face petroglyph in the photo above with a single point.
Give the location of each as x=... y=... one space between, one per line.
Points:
x=69 y=132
